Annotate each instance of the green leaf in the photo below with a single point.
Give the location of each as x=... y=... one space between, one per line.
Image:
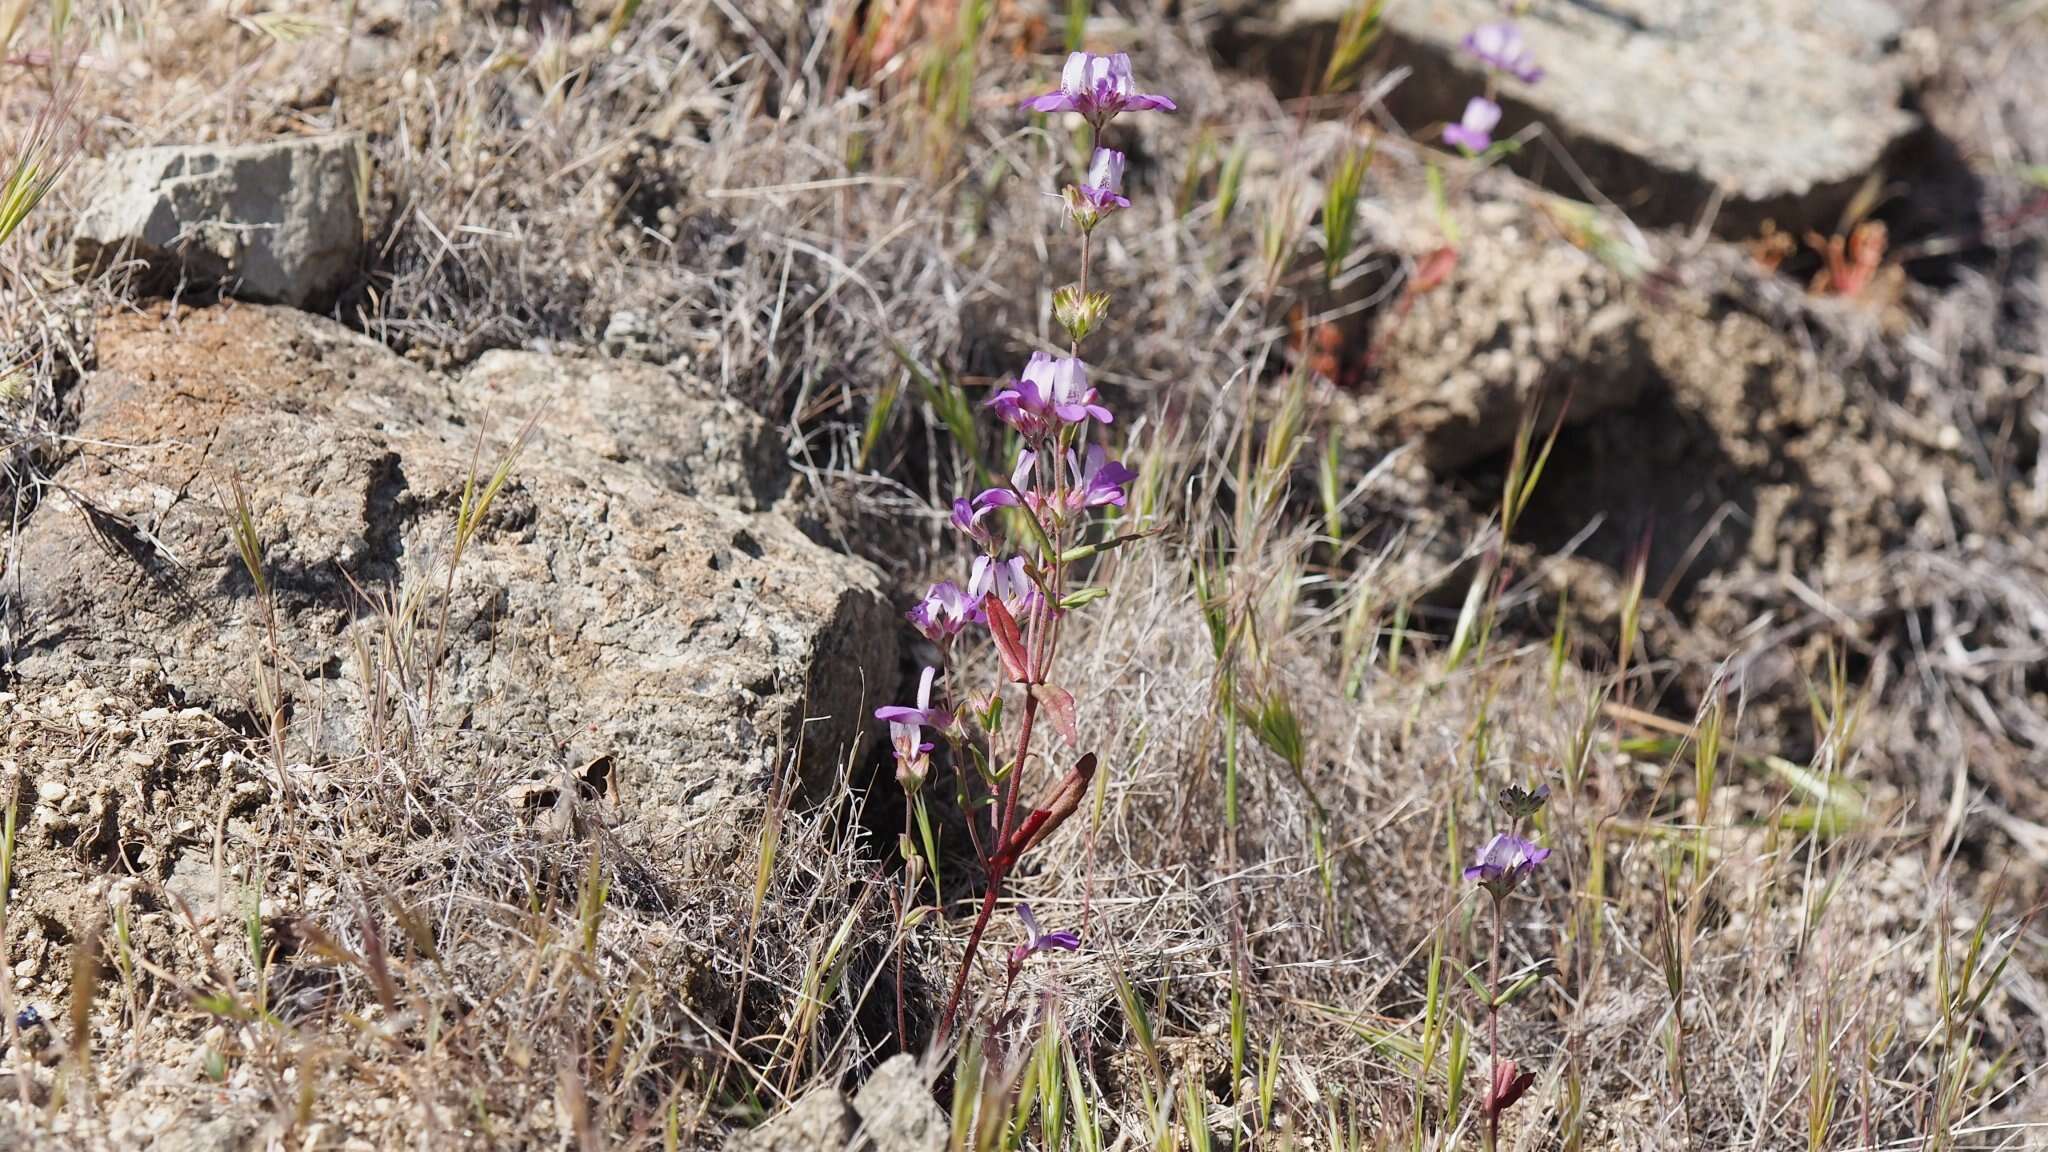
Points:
x=1478 y=986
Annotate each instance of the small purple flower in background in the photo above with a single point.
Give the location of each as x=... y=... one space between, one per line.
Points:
x=1474 y=133
x=1052 y=391
x=1499 y=47
x=1098 y=87
x=1505 y=862
x=1007 y=581
x=1038 y=940
x=943 y=613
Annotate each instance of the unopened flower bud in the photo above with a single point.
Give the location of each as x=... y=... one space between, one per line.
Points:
x=1522 y=803
x=1079 y=312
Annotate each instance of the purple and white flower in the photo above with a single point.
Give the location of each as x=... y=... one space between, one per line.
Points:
x=1499 y=46
x=1051 y=392
x=906 y=724
x=1039 y=940
x=1006 y=580
x=1505 y=862
x=1098 y=480
x=943 y=613
x=906 y=732
x=1098 y=87
x=968 y=516
x=1474 y=132
x=1100 y=192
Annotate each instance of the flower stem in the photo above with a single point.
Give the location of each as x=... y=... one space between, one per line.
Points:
x=1493 y=1030
x=998 y=866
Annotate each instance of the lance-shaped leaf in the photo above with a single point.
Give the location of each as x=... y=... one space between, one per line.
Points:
x=1046 y=819
x=1009 y=641
x=1059 y=706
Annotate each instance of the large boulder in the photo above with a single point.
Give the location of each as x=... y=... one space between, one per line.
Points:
x=281 y=222
x=601 y=614
x=1771 y=109
x=676 y=427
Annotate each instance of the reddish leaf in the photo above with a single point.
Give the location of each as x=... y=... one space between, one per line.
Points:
x=1059 y=706
x=1065 y=799
x=1009 y=641
x=1434 y=269
x=1509 y=1083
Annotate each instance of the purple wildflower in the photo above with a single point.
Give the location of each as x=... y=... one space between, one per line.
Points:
x=1038 y=940
x=1098 y=87
x=1505 y=862
x=906 y=732
x=968 y=516
x=901 y=716
x=1499 y=47
x=943 y=612
x=1474 y=133
x=1098 y=480
x=1006 y=580
x=1020 y=482
x=1051 y=392
x=1101 y=192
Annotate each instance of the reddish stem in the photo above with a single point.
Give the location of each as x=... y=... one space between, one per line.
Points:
x=998 y=865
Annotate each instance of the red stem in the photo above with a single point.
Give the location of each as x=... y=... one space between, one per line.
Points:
x=998 y=865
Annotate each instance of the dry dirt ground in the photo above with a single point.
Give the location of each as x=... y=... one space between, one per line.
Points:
x=345 y=812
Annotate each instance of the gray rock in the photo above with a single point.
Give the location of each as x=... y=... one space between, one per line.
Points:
x=670 y=424
x=819 y=1122
x=598 y=615
x=1780 y=108
x=896 y=1109
x=281 y=222
x=220 y=1134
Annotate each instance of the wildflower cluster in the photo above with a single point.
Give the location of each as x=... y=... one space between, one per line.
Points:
x=1499 y=49
x=1019 y=594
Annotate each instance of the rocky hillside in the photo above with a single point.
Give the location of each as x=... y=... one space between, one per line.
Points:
x=468 y=463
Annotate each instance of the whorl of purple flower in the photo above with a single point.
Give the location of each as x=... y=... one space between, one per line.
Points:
x=943 y=613
x=1098 y=87
x=1038 y=940
x=1499 y=46
x=1104 y=186
x=1007 y=581
x=1474 y=132
x=1505 y=862
x=1052 y=391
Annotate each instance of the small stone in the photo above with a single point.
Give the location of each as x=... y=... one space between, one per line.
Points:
x=819 y=1122
x=280 y=222
x=897 y=1111
x=52 y=792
